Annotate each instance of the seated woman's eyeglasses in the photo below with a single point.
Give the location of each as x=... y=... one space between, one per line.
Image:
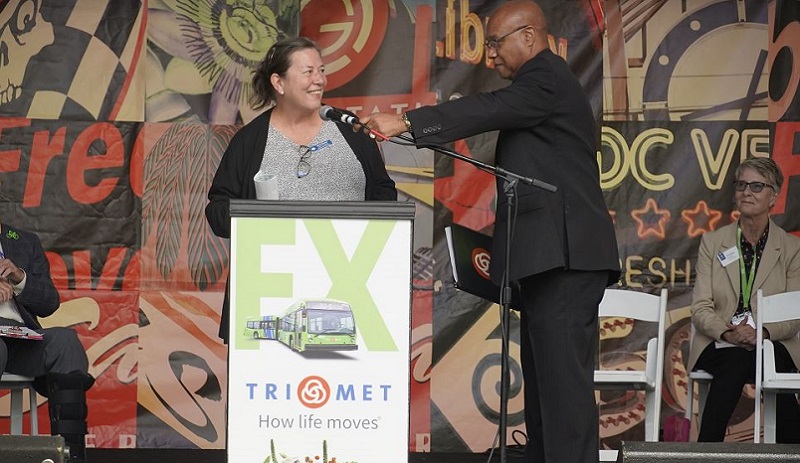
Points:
x=755 y=187
x=303 y=166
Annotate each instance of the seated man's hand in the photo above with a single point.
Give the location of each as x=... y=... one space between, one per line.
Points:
x=10 y=272
x=6 y=290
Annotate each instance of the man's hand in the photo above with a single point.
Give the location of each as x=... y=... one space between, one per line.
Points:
x=6 y=290
x=389 y=125
x=741 y=334
x=9 y=271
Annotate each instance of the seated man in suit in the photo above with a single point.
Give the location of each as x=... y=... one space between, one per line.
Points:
x=58 y=361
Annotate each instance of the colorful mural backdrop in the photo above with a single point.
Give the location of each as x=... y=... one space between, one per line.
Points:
x=114 y=115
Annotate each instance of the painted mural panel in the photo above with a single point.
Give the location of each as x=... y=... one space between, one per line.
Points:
x=670 y=61
x=75 y=185
x=72 y=59
x=184 y=266
x=201 y=55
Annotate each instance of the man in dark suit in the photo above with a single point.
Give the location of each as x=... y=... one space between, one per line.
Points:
x=58 y=361
x=563 y=251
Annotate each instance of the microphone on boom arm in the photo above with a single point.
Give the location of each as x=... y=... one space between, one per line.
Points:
x=329 y=113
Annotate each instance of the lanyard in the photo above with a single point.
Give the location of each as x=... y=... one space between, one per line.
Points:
x=746 y=280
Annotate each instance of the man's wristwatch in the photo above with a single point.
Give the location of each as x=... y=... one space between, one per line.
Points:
x=404 y=117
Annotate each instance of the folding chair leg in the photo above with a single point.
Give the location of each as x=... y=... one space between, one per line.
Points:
x=702 y=394
x=34 y=411
x=770 y=401
x=689 y=398
x=16 y=412
x=650 y=420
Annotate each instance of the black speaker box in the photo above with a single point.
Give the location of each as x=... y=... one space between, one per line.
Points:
x=707 y=452
x=33 y=449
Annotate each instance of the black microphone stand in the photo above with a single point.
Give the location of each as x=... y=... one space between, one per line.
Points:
x=510 y=190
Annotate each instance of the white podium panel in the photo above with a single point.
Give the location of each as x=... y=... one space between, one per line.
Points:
x=319 y=334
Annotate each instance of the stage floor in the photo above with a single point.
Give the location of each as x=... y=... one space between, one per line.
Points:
x=218 y=456
x=641 y=451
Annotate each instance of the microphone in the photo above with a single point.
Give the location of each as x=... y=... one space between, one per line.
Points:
x=329 y=113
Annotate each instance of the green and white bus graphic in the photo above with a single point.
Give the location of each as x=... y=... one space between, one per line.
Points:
x=323 y=324
x=329 y=260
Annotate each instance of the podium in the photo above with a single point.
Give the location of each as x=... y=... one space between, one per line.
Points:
x=318 y=360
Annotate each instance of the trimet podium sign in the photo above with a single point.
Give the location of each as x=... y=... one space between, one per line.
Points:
x=319 y=332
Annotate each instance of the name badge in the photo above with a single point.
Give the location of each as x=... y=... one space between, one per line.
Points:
x=320 y=145
x=727 y=256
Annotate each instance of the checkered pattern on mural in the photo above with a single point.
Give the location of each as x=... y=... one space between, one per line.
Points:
x=86 y=70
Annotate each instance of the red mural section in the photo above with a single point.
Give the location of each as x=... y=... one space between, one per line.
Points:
x=107 y=323
x=71 y=183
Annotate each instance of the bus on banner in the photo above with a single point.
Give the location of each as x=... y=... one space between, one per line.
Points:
x=262 y=328
x=323 y=324
x=309 y=325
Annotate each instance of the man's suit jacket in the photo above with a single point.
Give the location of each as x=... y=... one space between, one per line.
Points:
x=547 y=132
x=40 y=297
x=716 y=288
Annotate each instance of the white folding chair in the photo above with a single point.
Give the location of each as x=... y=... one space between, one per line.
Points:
x=702 y=379
x=772 y=309
x=17 y=384
x=648 y=308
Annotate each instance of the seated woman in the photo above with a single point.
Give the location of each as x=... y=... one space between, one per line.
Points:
x=310 y=159
x=733 y=263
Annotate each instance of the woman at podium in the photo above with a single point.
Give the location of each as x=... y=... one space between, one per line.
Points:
x=289 y=152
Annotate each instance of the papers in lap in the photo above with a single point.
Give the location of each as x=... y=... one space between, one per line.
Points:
x=20 y=332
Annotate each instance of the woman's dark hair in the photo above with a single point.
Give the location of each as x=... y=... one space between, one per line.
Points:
x=277 y=61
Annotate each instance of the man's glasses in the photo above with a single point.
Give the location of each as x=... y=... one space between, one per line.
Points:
x=303 y=166
x=755 y=187
x=494 y=44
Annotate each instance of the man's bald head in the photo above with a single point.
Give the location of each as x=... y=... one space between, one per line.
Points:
x=516 y=32
x=522 y=12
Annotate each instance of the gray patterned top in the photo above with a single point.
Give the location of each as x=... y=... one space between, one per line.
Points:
x=332 y=171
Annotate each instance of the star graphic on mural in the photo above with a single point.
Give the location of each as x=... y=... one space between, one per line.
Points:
x=735 y=215
x=613 y=215
x=701 y=219
x=651 y=220
x=469 y=194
